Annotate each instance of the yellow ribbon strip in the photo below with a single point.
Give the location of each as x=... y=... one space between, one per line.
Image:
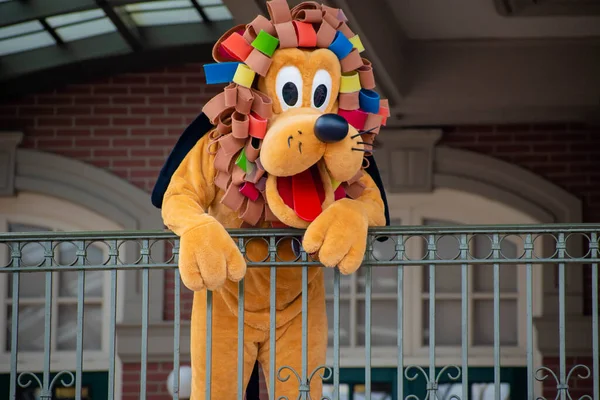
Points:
x=244 y=76
x=350 y=82
x=357 y=44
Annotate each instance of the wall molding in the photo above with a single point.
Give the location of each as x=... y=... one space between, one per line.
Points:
x=8 y=154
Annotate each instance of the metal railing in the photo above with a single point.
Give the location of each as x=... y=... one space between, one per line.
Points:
x=568 y=245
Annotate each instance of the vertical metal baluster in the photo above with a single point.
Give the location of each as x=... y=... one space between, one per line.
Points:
x=240 y=366
x=432 y=250
x=595 y=349
x=304 y=323
x=81 y=258
x=336 y=334
x=48 y=262
x=562 y=245
x=145 y=253
x=272 y=320
x=529 y=283
x=464 y=255
x=368 y=290
x=400 y=337
x=209 y=312
x=113 y=260
x=14 y=339
x=496 y=255
x=176 y=331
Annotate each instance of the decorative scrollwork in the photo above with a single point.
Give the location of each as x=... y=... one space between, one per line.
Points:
x=32 y=377
x=46 y=393
x=62 y=381
x=563 y=386
x=304 y=387
x=432 y=387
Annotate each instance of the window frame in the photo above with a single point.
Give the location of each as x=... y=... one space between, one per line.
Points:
x=55 y=214
x=466 y=209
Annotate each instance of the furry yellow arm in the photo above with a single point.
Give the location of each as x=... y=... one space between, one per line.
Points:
x=191 y=191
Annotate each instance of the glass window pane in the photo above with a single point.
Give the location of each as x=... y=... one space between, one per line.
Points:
x=31 y=328
x=484 y=274
x=384 y=279
x=384 y=331
x=71 y=18
x=24 y=43
x=344 y=322
x=166 y=17
x=344 y=391
x=93 y=279
x=86 y=29
x=486 y=391
x=158 y=5
x=219 y=13
x=483 y=322
x=67 y=327
x=19 y=29
x=447 y=323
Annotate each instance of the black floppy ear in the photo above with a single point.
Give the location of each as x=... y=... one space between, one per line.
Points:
x=373 y=171
x=186 y=142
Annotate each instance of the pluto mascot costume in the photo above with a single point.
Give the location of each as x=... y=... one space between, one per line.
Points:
x=287 y=143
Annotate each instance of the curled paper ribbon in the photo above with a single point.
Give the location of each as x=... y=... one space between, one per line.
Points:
x=237 y=177
x=348 y=101
x=258 y=126
x=233 y=199
x=351 y=62
x=287 y=35
x=224 y=122
x=230 y=144
x=245 y=98
x=341 y=46
x=373 y=124
x=346 y=30
x=231 y=95
x=262 y=105
x=252 y=149
x=350 y=82
x=279 y=10
x=220 y=53
x=253 y=211
x=249 y=190
x=357 y=43
x=222 y=179
x=244 y=76
x=307 y=37
x=240 y=125
x=367 y=79
x=369 y=101
x=355 y=190
x=237 y=46
x=325 y=35
x=356 y=118
x=332 y=20
x=258 y=62
x=223 y=161
x=265 y=43
x=259 y=23
x=220 y=72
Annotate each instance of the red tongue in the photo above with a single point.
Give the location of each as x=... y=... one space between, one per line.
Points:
x=300 y=192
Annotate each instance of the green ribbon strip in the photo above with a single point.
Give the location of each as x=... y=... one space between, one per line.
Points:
x=265 y=43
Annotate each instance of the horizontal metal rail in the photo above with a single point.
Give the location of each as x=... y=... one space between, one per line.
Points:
x=562 y=246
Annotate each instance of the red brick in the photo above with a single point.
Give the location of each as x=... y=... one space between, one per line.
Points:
x=77 y=89
x=166 y=121
x=148 y=90
x=91 y=100
x=54 y=100
x=183 y=110
x=161 y=80
x=129 y=121
x=129 y=163
x=54 y=142
x=143 y=173
x=92 y=121
x=168 y=142
x=187 y=89
x=111 y=90
x=128 y=100
x=110 y=110
x=148 y=132
x=54 y=121
x=165 y=100
x=129 y=142
x=110 y=153
x=36 y=110
x=110 y=132
x=130 y=79
x=147 y=110
x=92 y=143
x=146 y=152
x=77 y=110
x=74 y=153
x=72 y=132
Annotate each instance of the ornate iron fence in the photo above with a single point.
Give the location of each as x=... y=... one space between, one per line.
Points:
x=563 y=246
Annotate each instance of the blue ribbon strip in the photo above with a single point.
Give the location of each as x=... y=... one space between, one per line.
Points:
x=369 y=101
x=341 y=46
x=220 y=72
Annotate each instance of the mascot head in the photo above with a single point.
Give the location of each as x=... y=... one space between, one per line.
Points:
x=294 y=127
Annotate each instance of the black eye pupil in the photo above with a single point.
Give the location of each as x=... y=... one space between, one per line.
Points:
x=290 y=93
x=320 y=95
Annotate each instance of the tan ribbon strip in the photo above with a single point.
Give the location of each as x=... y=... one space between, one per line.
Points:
x=230 y=144
x=252 y=151
x=253 y=211
x=231 y=95
x=214 y=107
x=346 y=30
x=279 y=10
x=308 y=11
x=258 y=62
x=332 y=21
x=269 y=216
x=256 y=174
x=356 y=177
x=261 y=185
x=365 y=74
x=349 y=101
x=222 y=180
x=233 y=199
x=223 y=161
x=240 y=125
x=373 y=121
x=287 y=35
x=329 y=10
x=244 y=100
x=351 y=62
x=354 y=190
x=262 y=105
x=325 y=35
x=224 y=121
x=259 y=23
x=237 y=177
x=217 y=56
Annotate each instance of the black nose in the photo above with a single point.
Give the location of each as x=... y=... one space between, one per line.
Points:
x=331 y=128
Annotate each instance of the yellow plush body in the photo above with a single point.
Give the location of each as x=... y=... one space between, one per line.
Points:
x=209 y=258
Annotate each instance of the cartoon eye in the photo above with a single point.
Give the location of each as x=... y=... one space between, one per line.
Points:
x=288 y=85
x=321 y=90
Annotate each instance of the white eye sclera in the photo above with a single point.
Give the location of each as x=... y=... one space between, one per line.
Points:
x=288 y=86
x=321 y=90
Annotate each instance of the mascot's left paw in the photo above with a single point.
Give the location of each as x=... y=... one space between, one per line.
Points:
x=339 y=236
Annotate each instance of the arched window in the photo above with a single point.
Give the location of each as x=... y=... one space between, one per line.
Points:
x=36 y=212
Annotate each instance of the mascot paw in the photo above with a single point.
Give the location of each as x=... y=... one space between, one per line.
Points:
x=339 y=236
x=208 y=256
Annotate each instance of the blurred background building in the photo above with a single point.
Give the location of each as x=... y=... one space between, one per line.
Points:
x=495 y=120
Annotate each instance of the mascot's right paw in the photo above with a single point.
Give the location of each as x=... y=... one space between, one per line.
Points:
x=208 y=256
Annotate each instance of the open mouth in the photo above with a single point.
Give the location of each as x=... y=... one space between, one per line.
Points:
x=305 y=193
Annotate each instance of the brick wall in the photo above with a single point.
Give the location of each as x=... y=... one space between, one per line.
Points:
x=156 y=378
x=127 y=124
